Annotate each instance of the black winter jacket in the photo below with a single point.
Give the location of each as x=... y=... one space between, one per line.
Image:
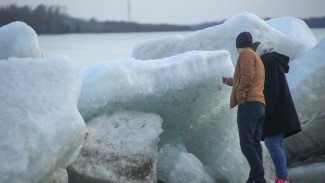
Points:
x=281 y=115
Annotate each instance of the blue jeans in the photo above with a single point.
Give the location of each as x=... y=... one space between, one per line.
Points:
x=250 y=116
x=274 y=145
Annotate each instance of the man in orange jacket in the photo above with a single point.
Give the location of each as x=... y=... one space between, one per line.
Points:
x=247 y=92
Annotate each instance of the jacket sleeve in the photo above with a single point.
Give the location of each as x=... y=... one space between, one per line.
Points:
x=247 y=65
x=273 y=77
x=230 y=81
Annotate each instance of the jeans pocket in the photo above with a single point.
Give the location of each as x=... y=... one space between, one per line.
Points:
x=241 y=106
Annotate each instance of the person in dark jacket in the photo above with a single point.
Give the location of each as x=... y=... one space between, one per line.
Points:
x=281 y=119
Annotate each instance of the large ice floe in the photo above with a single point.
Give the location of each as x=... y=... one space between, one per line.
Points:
x=41 y=128
x=305 y=151
x=306 y=81
x=311 y=142
x=176 y=165
x=187 y=92
x=222 y=37
x=295 y=29
x=18 y=40
x=180 y=89
x=184 y=87
x=121 y=147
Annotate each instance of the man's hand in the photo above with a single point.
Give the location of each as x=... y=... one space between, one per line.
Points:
x=224 y=80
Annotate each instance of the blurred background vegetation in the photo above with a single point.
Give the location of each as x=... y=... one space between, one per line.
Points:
x=54 y=20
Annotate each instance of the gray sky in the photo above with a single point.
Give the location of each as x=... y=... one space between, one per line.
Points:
x=181 y=11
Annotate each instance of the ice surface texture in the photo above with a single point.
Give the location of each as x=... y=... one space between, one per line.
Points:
x=186 y=90
x=18 y=40
x=41 y=128
x=178 y=88
x=176 y=165
x=121 y=147
x=306 y=81
x=305 y=151
x=223 y=36
x=296 y=29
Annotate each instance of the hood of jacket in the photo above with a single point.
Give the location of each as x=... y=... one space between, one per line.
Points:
x=280 y=59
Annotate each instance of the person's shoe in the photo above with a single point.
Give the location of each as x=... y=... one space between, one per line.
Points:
x=278 y=180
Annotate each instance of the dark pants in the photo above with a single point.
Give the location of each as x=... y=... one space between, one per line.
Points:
x=250 y=118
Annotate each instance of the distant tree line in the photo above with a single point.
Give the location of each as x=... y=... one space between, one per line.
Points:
x=315 y=22
x=54 y=20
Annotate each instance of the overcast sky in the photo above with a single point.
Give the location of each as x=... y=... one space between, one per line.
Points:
x=180 y=11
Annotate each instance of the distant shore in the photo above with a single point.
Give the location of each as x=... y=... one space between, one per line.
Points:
x=53 y=20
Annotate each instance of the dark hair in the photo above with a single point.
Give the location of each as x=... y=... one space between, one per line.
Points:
x=244 y=40
x=255 y=45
